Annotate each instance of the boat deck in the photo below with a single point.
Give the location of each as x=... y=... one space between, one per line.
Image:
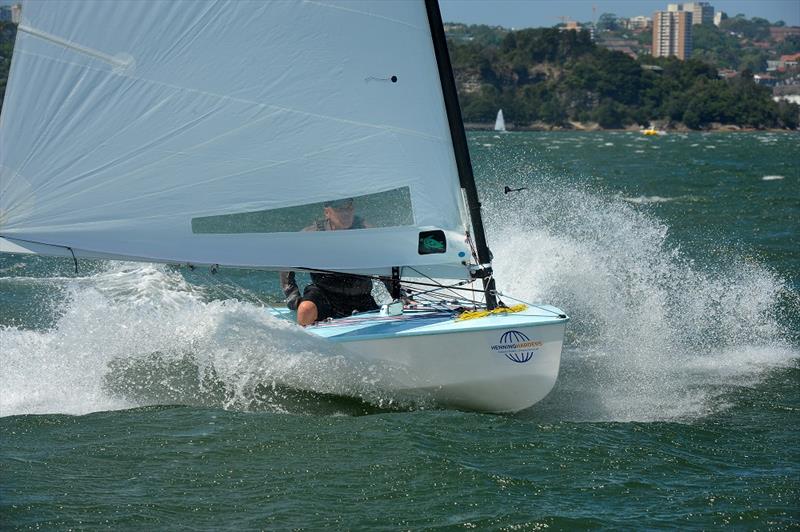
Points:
x=413 y=322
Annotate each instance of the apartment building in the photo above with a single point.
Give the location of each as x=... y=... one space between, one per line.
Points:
x=702 y=12
x=672 y=34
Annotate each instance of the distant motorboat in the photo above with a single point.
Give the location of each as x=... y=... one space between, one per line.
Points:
x=653 y=132
x=500 y=123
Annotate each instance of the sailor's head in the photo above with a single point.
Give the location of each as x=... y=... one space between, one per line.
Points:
x=340 y=213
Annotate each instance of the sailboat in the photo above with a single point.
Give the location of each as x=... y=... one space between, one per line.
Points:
x=500 y=123
x=208 y=134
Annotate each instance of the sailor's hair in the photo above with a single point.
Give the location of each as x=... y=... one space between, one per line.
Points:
x=339 y=204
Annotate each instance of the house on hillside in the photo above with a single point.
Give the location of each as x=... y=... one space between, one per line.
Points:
x=765 y=79
x=789 y=61
x=779 y=33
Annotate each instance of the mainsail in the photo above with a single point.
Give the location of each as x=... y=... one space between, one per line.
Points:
x=213 y=132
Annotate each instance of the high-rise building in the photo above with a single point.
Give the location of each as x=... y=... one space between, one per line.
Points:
x=11 y=13
x=16 y=13
x=702 y=12
x=672 y=34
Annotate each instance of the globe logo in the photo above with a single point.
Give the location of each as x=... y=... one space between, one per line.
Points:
x=517 y=347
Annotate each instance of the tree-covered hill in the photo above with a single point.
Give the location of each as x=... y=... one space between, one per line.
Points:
x=554 y=77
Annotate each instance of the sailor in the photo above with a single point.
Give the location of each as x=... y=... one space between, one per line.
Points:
x=330 y=295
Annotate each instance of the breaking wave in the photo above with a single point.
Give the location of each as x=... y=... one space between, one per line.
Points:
x=135 y=335
x=653 y=334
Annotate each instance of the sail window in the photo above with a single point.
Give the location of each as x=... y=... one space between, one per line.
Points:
x=390 y=208
x=432 y=242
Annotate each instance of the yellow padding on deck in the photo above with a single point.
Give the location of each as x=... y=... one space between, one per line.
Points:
x=472 y=314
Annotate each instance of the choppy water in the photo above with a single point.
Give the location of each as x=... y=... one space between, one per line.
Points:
x=143 y=396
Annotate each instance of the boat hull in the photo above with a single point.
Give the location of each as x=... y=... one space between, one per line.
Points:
x=461 y=369
x=498 y=363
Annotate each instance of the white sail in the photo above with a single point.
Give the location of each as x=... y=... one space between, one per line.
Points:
x=212 y=132
x=500 y=123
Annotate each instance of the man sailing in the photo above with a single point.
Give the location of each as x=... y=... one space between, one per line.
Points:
x=330 y=295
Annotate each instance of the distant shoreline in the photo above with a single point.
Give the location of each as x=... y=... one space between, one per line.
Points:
x=592 y=127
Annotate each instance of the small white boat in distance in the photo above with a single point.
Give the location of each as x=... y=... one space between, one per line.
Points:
x=500 y=123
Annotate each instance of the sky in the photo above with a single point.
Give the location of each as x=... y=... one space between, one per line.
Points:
x=539 y=13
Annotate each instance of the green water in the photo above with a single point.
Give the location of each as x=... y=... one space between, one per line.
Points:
x=142 y=397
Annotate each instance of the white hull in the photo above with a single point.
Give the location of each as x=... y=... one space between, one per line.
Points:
x=498 y=363
x=460 y=370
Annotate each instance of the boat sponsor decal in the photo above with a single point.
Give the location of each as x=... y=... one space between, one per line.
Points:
x=516 y=346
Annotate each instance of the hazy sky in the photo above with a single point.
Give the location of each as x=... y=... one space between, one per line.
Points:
x=537 y=13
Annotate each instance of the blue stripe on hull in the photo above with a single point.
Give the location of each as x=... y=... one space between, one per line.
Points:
x=373 y=326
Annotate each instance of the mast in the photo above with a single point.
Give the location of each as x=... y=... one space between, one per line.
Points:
x=461 y=149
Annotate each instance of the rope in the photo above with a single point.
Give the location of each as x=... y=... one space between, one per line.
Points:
x=233 y=291
x=530 y=304
x=474 y=314
x=74 y=258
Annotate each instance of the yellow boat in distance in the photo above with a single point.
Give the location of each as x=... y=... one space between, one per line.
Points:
x=653 y=132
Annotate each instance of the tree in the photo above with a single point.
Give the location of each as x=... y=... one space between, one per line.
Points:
x=788 y=114
x=690 y=119
x=609 y=114
x=608 y=22
x=712 y=45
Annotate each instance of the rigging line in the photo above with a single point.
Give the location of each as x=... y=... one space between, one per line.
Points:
x=472 y=248
x=74 y=258
x=446 y=299
x=446 y=304
x=474 y=253
x=441 y=301
x=528 y=303
x=427 y=296
x=377 y=277
x=422 y=293
x=234 y=291
x=431 y=279
x=437 y=290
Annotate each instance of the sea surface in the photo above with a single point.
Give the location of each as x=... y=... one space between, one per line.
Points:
x=143 y=397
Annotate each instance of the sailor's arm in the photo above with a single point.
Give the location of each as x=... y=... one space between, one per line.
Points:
x=290 y=290
x=288 y=282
